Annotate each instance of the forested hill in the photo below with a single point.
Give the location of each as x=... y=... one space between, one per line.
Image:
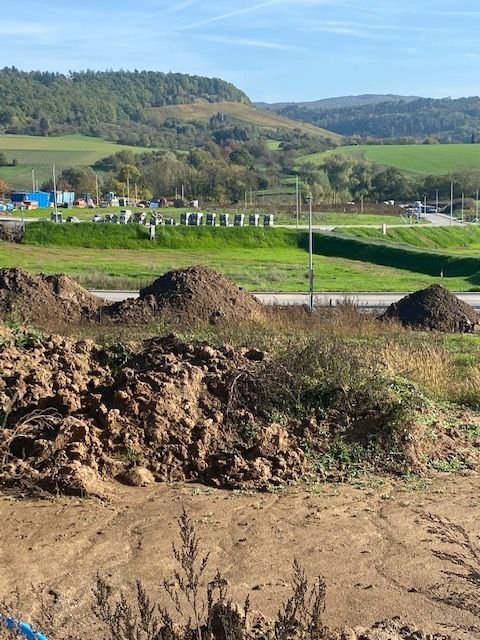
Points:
x=447 y=119
x=339 y=102
x=42 y=102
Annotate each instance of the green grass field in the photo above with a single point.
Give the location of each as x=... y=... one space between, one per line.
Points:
x=429 y=159
x=40 y=153
x=456 y=240
x=257 y=259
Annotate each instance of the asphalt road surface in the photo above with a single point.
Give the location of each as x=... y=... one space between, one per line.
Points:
x=365 y=300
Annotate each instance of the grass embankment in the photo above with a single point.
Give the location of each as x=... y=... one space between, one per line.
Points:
x=422 y=159
x=91 y=235
x=430 y=263
x=40 y=153
x=110 y=256
x=122 y=257
x=461 y=240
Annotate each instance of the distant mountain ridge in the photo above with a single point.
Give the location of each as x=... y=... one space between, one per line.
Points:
x=339 y=102
x=405 y=119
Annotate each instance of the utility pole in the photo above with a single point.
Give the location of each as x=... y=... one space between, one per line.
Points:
x=297 y=200
x=436 y=200
x=424 y=207
x=451 y=203
x=33 y=179
x=55 y=193
x=310 y=255
x=476 y=209
x=463 y=205
x=361 y=203
x=96 y=189
x=128 y=189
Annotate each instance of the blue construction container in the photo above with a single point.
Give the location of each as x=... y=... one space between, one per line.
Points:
x=42 y=198
x=18 y=196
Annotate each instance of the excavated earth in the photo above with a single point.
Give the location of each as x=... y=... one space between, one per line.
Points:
x=194 y=294
x=76 y=415
x=434 y=309
x=39 y=298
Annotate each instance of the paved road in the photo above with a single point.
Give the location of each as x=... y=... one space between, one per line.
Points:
x=374 y=300
x=442 y=220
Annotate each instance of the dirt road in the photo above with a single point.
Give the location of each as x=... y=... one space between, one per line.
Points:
x=371 y=542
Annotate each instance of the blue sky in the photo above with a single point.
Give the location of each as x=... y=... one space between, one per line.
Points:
x=275 y=50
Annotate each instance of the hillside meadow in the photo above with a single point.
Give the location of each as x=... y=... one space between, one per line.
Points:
x=421 y=159
x=245 y=114
x=41 y=152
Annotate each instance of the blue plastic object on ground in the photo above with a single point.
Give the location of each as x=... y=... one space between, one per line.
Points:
x=19 y=627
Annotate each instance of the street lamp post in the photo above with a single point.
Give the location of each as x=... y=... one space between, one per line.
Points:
x=297 y=199
x=96 y=190
x=310 y=255
x=451 y=202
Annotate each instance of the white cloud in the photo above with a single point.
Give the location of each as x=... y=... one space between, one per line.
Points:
x=262 y=5
x=247 y=42
x=229 y=14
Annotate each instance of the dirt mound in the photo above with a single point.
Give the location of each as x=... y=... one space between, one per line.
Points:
x=167 y=413
x=434 y=309
x=194 y=294
x=37 y=297
x=74 y=414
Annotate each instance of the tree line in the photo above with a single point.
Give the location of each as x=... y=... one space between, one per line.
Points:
x=342 y=178
x=449 y=120
x=223 y=175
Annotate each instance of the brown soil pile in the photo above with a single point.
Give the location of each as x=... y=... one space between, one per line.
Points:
x=434 y=309
x=194 y=294
x=74 y=414
x=38 y=298
x=167 y=415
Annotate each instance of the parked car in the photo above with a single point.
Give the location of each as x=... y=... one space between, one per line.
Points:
x=97 y=218
x=73 y=219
